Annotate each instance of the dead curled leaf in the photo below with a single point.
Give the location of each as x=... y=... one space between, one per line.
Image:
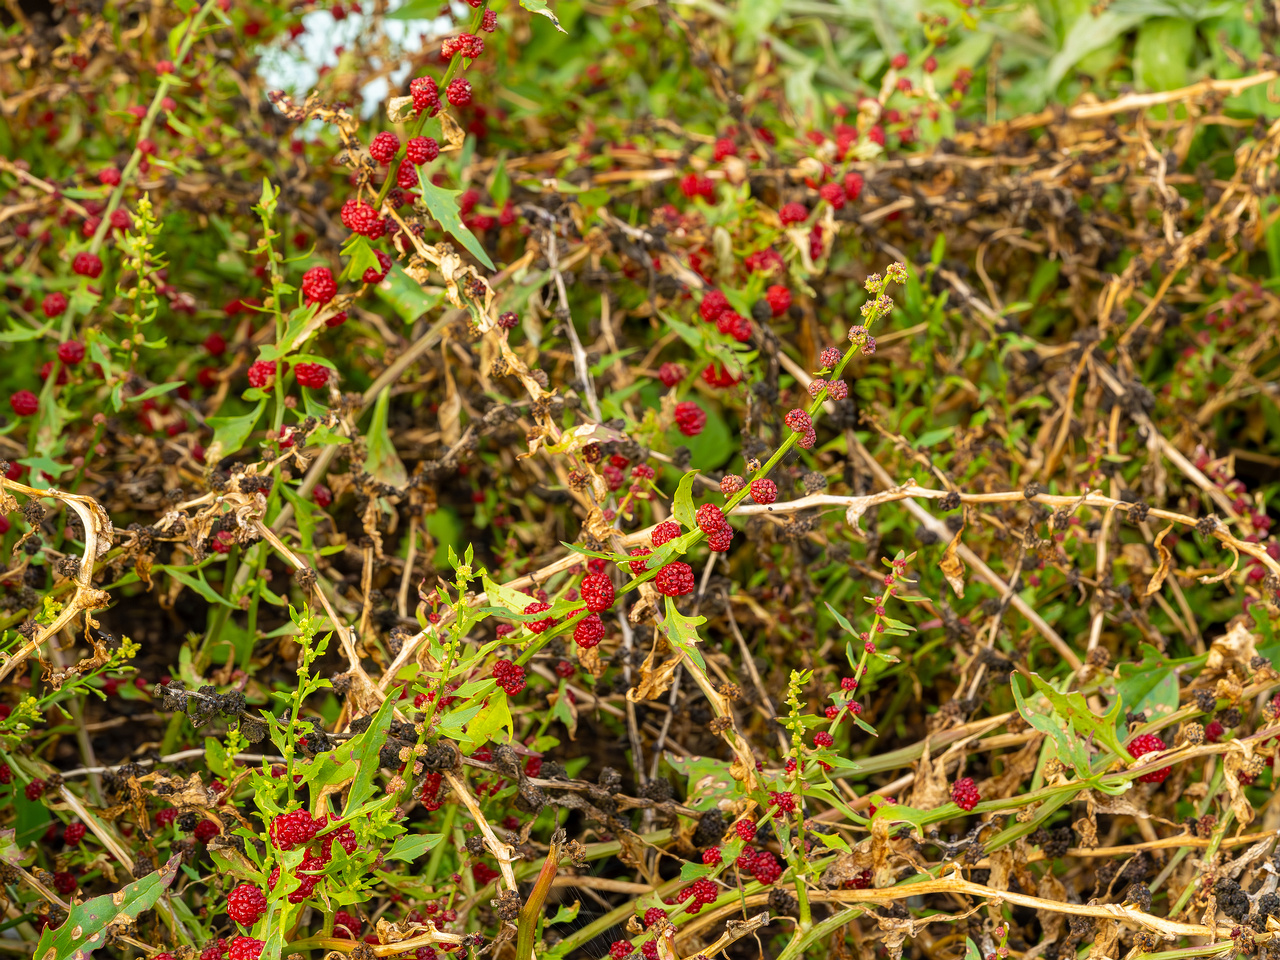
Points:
x=950 y=564
x=1235 y=647
x=655 y=678
x=1162 y=571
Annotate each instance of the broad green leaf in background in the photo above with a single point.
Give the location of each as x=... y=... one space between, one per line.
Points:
x=1149 y=687
x=443 y=205
x=83 y=931
x=230 y=433
x=408 y=298
x=383 y=463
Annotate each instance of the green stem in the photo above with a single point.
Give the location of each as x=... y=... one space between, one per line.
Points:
x=833 y=923
x=437 y=855
x=531 y=912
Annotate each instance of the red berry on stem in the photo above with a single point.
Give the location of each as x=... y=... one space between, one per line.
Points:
x=312 y=375
x=1144 y=744
x=663 y=532
x=588 y=631
x=71 y=352
x=318 y=285
x=459 y=92
x=54 y=305
x=426 y=95
x=24 y=403
x=597 y=591
x=964 y=793
x=73 y=834
x=245 y=904
x=261 y=373
x=764 y=491
x=384 y=146
x=674 y=579
x=793 y=213
x=690 y=418
x=421 y=150
x=87 y=265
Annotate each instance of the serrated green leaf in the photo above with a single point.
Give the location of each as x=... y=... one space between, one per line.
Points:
x=82 y=932
x=693 y=871
x=495 y=716
x=443 y=205
x=682 y=508
x=360 y=257
x=682 y=633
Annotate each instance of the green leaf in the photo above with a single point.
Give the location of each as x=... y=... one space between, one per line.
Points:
x=566 y=913
x=443 y=205
x=1149 y=687
x=412 y=847
x=845 y=625
x=17 y=334
x=405 y=295
x=693 y=871
x=971 y=951
x=495 y=716
x=682 y=509
x=199 y=585
x=366 y=747
x=508 y=597
x=383 y=463
x=682 y=633
x=1072 y=707
x=361 y=256
x=540 y=6
x=83 y=930
x=501 y=188
x=932 y=438
x=230 y=433
x=160 y=389
x=832 y=841
x=415 y=10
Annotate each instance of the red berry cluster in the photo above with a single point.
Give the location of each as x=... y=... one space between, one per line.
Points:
x=588 y=631
x=746 y=829
x=664 y=532
x=467 y=44
x=690 y=418
x=597 y=591
x=538 y=626
x=784 y=801
x=261 y=373
x=653 y=915
x=639 y=566
x=318 y=285
x=829 y=357
x=674 y=579
x=293 y=829
x=312 y=375
x=358 y=217
x=823 y=739
x=710 y=518
x=379 y=273
x=426 y=95
x=702 y=892
x=420 y=150
x=793 y=213
x=620 y=949
x=73 y=834
x=798 y=420
x=711 y=856
x=244 y=948
x=762 y=865
x=1144 y=744
x=245 y=904
x=671 y=373
x=764 y=491
x=964 y=793
x=510 y=676
x=730 y=484
x=384 y=146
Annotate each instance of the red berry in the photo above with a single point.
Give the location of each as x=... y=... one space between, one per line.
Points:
x=649 y=949
x=293 y=829
x=829 y=357
x=87 y=265
x=853 y=183
x=459 y=92
x=71 y=352
x=639 y=566
x=358 y=217
x=798 y=420
x=930 y=64
x=489 y=22
x=588 y=631
x=710 y=518
x=510 y=676
x=720 y=540
x=421 y=150
x=1213 y=731
x=597 y=591
x=205 y=831
x=318 y=285
x=784 y=801
x=900 y=61
x=109 y=176
x=312 y=375
x=666 y=531
x=6 y=773
x=964 y=793
x=823 y=739
x=372 y=275
x=674 y=579
x=834 y=194
x=24 y=403
x=711 y=856
x=262 y=372
x=730 y=484
x=384 y=147
x=1149 y=743
x=65 y=882
x=215 y=344
x=713 y=304
x=793 y=213
x=690 y=418
x=766 y=868
x=671 y=373
x=73 y=834
x=426 y=95
x=538 y=626
x=837 y=390
x=245 y=904
x=725 y=148
x=764 y=490
x=746 y=829
x=245 y=948
x=779 y=299
x=55 y=304
x=346 y=926
x=620 y=949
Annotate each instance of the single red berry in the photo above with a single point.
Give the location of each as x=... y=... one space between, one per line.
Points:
x=964 y=793
x=764 y=490
x=778 y=298
x=1144 y=744
x=312 y=375
x=321 y=495
x=245 y=904
x=665 y=531
x=731 y=483
x=358 y=217
x=816 y=386
x=690 y=418
x=538 y=626
x=73 y=834
x=709 y=517
x=823 y=739
x=793 y=213
x=746 y=829
x=262 y=372
x=164 y=66
x=720 y=540
x=426 y=95
x=120 y=220
x=421 y=150
x=318 y=285
x=674 y=579
x=766 y=868
x=71 y=352
x=459 y=92
x=649 y=949
x=837 y=390
x=597 y=591
x=798 y=420
x=24 y=403
x=87 y=265
x=65 y=882
x=853 y=184
x=620 y=949
x=725 y=148
x=1213 y=731
x=930 y=64
x=384 y=146
x=54 y=305
x=588 y=631
x=293 y=829
x=711 y=856
x=109 y=176
x=378 y=274
x=713 y=304
x=829 y=357
x=671 y=373
x=638 y=566
x=834 y=194
x=215 y=344
x=489 y=22
x=205 y=831
x=784 y=801
x=900 y=61
x=245 y=948
x=6 y=773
